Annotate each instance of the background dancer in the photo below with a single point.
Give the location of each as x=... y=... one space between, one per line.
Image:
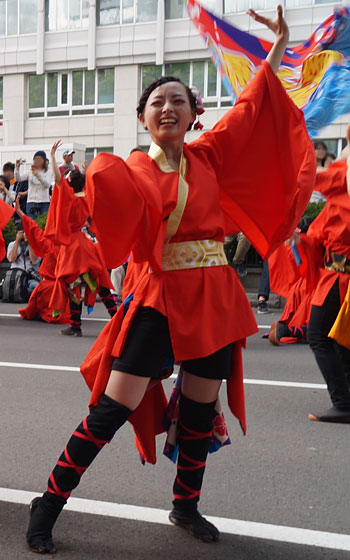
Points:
x=326 y=252
x=38 y=305
x=172 y=208
x=78 y=258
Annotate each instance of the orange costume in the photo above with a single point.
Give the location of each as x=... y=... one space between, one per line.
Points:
x=77 y=254
x=6 y=213
x=40 y=298
x=184 y=277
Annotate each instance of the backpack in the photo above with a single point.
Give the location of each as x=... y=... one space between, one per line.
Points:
x=14 y=287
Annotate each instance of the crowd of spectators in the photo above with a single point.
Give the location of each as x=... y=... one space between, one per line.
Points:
x=33 y=189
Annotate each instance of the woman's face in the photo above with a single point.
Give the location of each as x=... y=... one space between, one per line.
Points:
x=321 y=152
x=2 y=186
x=168 y=113
x=38 y=162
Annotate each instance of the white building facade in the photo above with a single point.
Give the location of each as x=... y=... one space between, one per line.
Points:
x=74 y=69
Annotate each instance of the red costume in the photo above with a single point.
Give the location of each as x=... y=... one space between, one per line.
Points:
x=206 y=307
x=77 y=254
x=329 y=233
x=6 y=213
x=40 y=298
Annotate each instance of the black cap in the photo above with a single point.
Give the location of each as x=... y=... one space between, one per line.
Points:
x=40 y=153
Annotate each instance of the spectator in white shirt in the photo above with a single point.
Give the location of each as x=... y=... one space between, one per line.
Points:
x=21 y=255
x=39 y=182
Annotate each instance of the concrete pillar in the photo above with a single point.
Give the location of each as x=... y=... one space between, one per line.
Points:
x=92 y=36
x=125 y=99
x=14 y=108
x=160 y=32
x=40 y=38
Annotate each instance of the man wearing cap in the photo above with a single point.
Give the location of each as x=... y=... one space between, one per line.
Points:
x=68 y=164
x=39 y=181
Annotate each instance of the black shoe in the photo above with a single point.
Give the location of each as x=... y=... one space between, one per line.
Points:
x=195 y=524
x=39 y=536
x=335 y=415
x=241 y=270
x=69 y=331
x=262 y=308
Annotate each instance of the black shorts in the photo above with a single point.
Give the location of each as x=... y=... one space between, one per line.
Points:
x=147 y=350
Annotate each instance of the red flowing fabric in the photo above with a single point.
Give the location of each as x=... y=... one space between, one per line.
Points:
x=130 y=203
x=286 y=280
x=6 y=213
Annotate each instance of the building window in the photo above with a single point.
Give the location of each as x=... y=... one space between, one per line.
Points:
x=200 y=73
x=232 y=6
x=81 y=92
x=66 y=14
x=91 y=153
x=115 y=12
x=177 y=8
x=18 y=17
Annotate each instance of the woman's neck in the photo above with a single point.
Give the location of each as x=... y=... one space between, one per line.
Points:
x=173 y=154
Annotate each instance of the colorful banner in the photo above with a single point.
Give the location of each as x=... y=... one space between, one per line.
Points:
x=315 y=74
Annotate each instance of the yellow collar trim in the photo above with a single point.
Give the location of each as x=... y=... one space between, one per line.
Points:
x=158 y=155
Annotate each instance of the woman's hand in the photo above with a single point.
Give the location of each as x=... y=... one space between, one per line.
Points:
x=294 y=239
x=84 y=167
x=18 y=163
x=17 y=207
x=280 y=28
x=55 y=146
x=35 y=171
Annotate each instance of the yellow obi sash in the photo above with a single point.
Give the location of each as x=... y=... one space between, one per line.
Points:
x=193 y=254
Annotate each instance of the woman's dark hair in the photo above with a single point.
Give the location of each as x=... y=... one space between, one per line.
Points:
x=75 y=179
x=305 y=223
x=5 y=180
x=8 y=166
x=159 y=82
x=317 y=144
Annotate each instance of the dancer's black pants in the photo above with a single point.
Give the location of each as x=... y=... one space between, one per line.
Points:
x=332 y=359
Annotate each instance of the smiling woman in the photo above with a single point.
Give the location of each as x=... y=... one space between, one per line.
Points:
x=171 y=208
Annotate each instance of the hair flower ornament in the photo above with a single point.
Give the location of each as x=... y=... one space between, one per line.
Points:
x=199 y=107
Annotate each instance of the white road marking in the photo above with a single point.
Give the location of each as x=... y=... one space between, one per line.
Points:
x=266 y=382
x=38 y=366
x=100 y=319
x=280 y=533
x=16 y=315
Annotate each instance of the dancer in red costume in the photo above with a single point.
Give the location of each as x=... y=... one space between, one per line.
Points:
x=326 y=254
x=38 y=305
x=6 y=213
x=77 y=257
x=172 y=208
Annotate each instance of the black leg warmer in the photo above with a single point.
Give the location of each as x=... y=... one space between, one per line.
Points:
x=194 y=433
x=109 y=300
x=97 y=429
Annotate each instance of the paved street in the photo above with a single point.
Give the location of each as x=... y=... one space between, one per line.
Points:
x=287 y=472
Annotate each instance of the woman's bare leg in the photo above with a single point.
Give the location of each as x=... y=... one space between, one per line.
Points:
x=126 y=389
